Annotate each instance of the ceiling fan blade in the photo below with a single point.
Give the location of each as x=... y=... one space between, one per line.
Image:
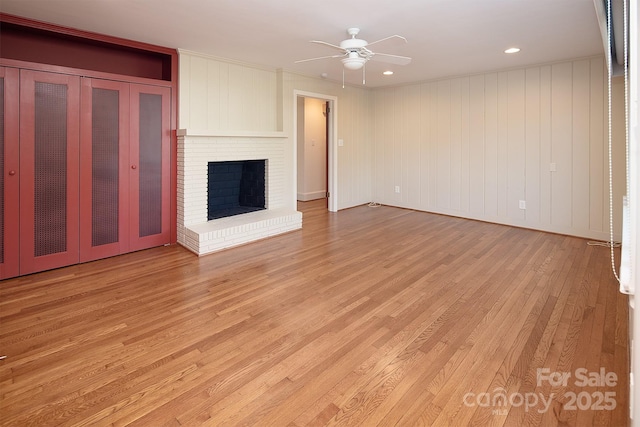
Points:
x=387 y=38
x=391 y=59
x=327 y=44
x=320 y=57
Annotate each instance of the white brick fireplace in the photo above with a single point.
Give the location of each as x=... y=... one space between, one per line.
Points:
x=195 y=151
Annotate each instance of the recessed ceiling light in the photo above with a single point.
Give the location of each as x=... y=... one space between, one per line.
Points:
x=387 y=73
x=512 y=50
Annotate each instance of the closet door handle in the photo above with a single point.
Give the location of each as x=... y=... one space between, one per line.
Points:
x=11 y=173
x=134 y=167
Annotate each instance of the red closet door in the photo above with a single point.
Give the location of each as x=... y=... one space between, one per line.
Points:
x=104 y=169
x=49 y=147
x=149 y=166
x=9 y=176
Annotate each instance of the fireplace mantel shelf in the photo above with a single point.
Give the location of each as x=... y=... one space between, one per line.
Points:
x=230 y=133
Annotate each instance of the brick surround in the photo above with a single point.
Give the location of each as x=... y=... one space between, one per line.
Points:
x=202 y=236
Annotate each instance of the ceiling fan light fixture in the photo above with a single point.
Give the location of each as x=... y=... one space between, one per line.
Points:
x=512 y=50
x=353 y=62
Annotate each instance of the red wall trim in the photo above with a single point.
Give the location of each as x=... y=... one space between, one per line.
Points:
x=83 y=34
x=25 y=65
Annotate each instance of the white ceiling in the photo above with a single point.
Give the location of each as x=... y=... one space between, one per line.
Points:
x=445 y=37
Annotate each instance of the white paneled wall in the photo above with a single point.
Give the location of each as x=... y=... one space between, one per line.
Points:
x=476 y=146
x=223 y=96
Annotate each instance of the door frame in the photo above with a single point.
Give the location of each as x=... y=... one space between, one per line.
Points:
x=10 y=263
x=332 y=145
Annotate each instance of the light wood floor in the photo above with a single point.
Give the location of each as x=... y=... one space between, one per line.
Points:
x=371 y=316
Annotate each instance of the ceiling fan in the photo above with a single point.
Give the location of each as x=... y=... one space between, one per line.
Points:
x=355 y=52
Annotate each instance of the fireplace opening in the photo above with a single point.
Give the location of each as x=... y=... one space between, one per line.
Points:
x=235 y=187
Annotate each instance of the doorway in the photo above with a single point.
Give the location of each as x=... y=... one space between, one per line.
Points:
x=315 y=135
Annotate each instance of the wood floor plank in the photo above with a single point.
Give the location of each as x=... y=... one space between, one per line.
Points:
x=369 y=316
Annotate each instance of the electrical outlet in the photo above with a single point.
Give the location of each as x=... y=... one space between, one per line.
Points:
x=522 y=204
x=397 y=188
x=552 y=167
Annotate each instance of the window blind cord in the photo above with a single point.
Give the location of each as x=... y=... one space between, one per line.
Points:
x=609 y=75
x=625 y=38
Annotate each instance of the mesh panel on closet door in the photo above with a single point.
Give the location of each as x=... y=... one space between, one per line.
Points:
x=50 y=149
x=150 y=197
x=104 y=165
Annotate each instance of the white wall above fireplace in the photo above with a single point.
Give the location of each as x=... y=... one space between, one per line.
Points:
x=195 y=151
